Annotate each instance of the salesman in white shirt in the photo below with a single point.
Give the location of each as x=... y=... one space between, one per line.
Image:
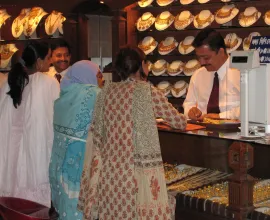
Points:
x=214 y=89
x=61 y=55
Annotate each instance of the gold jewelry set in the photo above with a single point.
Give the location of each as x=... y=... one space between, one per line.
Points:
x=148 y=46
x=178 y=90
x=166 y=21
x=166 y=90
x=20 y=22
x=192 y=69
x=3 y=17
x=33 y=19
x=248 y=18
x=6 y=53
x=219 y=192
x=202 y=22
x=221 y=14
x=174 y=70
x=163 y=48
x=180 y=23
x=197 y=180
x=185 y=46
x=145 y=24
x=51 y=24
x=231 y=44
x=160 y=69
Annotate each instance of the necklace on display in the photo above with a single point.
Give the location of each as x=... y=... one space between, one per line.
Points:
x=52 y=23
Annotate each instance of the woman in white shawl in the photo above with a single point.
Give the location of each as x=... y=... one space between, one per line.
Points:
x=26 y=125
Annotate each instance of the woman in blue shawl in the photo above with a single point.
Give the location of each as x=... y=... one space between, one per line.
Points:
x=72 y=119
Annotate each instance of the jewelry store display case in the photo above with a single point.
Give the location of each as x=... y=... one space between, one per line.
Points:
x=220 y=153
x=177 y=22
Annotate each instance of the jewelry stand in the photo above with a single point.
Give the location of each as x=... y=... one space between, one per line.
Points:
x=228 y=24
x=22 y=37
x=56 y=34
x=34 y=35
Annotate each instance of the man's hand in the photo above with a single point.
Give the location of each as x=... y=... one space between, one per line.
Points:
x=194 y=113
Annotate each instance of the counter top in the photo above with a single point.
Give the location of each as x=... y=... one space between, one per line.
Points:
x=218 y=133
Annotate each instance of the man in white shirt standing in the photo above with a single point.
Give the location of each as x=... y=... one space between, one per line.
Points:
x=214 y=89
x=60 y=59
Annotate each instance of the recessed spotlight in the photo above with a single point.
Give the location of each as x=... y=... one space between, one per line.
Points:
x=101 y=2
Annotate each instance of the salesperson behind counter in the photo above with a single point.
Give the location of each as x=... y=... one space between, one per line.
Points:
x=214 y=89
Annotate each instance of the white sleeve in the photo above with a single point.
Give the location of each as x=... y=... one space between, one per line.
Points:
x=55 y=89
x=191 y=97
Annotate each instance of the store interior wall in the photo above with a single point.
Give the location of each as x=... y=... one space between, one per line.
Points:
x=100 y=39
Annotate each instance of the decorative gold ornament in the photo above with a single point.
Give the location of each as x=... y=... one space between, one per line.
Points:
x=53 y=22
x=6 y=53
x=148 y=46
x=249 y=17
x=145 y=21
x=180 y=24
x=3 y=16
x=19 y=23
x=33 y=19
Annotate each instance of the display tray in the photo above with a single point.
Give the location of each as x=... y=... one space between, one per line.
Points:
x=219 y=124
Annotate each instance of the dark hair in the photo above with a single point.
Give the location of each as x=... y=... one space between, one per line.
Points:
x=18 y=77
x=128 y=61
x=211 y=38
x=60 y=43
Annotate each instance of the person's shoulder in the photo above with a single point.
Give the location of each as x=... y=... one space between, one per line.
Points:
x=46 y=78
x=199 y=73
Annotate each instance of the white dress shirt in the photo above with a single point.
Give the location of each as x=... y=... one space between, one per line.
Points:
x=200 y=88
x=52 y=71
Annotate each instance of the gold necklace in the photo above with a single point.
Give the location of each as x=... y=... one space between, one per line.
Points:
x=178 y=23
x=192 y=69
x=231 y=44
x=202 y=22
x=248 y=18
x=223 y=15
x=161 y=21
x=164 y=91
x=147 y=47
x=174 y=70
x=145 y=23
x=178 y=90
x=163 y=67
x=3 y=18
x=33 y=19
x=185 y=46
x=163 y=48
x=19 y=18
x=50 y=22
x=6 y=53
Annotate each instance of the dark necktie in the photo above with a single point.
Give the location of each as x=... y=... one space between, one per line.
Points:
x=58 y=77
x=213 y=103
